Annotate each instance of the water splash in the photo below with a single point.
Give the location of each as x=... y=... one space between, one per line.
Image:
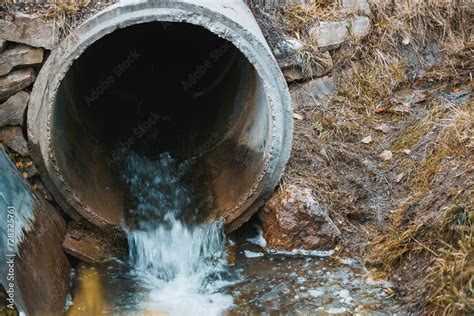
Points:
x=178 y=254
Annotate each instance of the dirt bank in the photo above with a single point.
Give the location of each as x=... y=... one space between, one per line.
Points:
x=389 y=152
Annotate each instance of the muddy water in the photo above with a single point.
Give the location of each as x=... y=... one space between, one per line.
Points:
x=181 y=264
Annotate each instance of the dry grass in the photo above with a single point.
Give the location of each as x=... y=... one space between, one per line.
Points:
x=453 y=274
x=420 y=22
x=400 y=244
x=371 y=81
x=436 y=219
x=66 y=14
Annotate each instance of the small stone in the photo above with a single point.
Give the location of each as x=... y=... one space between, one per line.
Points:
x=3 y=45
x=287 y=47
x=367 y=140
x=12 y=111
x=321 y=65
x=383 y=128
x=330 y=35
x=386 y=155
x=30 y=30
x=297 y=116
x=15 y=81
x=399 y=177
x=360 y=26
x=84 y=245
x=12 y=137
x=407 y=151
x=355 y=7
x=19 y=56
x=293 y=219
x=321 y=88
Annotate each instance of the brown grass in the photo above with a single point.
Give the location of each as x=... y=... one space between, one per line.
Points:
x=66 y=14
x=453 y=274
x=422 y=22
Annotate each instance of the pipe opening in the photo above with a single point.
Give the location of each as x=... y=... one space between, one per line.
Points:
x=153 y=88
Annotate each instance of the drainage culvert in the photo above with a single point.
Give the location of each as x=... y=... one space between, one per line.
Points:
x=195 y=80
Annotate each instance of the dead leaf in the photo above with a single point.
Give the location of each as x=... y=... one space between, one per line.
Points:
x=297 y=116
x=25 y=175
x=399 y=177
x=418 y=96
x=367 y=140
x=404 y=108
x=386 y=155
x=383 y=128
x=383 y=109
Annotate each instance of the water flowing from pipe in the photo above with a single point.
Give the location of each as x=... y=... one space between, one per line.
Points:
x=176 y=252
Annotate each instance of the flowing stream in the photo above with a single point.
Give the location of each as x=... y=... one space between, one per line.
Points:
x=181 y=263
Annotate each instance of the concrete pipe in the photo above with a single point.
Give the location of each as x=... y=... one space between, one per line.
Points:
x=194 y=78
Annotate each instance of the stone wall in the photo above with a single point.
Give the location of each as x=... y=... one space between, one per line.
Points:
x=326 y=37
x=24 y=44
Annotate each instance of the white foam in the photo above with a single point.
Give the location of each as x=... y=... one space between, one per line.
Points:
x=315 y=293
x=336 y=310
x=181 y=296
x=258 y=239
x=251 y=254
x=345 y=296
x=303 y=252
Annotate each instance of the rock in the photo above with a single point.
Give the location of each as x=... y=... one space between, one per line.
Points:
x=3 y=45
x=320 y=88
x=290 y=59
x=89 y=246
x=331 y=35
x=30 y=30
x=19 y=56
x=15 y=81
x=84 y=246
x=321 y=65
x=42 y=269
x=286 y=50
x=292 y=219
x=12 y=136
x=12 y=111
x=355 y=7
x=360 y=26
x=384 y=128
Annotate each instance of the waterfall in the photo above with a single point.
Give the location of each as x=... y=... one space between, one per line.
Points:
x=173 y=248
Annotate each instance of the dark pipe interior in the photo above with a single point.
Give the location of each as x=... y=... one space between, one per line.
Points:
x=154 y=88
